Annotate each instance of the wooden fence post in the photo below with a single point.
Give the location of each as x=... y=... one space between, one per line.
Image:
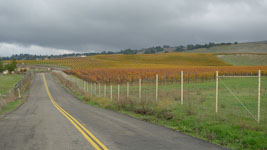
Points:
x=19 y=93
x=99 y=91
x=182 y=87
x=105 y=90
x=259 y=96
x=110 y=92
x=91 y=88
x=95 y=90
x=157 y=86
x=87 y=88
x=118 y=92
x=82 y=84
x=127 y=95
x=217 y=86
x=84 y=89
x=140 y=89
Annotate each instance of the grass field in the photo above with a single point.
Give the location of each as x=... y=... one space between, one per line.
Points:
x=7 y=82
x=233 y=126
x=245 y=59
x=201 y=96
x=253 y=47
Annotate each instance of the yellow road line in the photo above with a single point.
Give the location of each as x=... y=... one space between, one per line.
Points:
x=91 y=138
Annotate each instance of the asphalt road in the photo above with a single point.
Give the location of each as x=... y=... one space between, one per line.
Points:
x=54 y=120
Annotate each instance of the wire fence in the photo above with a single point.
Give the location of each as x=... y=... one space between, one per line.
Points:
x=237 y=97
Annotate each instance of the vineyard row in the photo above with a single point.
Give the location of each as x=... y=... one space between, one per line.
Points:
x=170 y=75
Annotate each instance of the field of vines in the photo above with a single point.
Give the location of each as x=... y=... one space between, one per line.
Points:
x=129 y=68
x=168 y=60
x=165 y=74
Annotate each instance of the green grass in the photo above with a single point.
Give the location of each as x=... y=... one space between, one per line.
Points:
x=11 y=106
x=7 y=82
x=252 y=47
x=245 y=59
x=231 y=127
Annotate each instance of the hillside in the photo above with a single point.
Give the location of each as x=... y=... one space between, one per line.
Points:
x=245 y=59
x=166 y=60
x=251 y=47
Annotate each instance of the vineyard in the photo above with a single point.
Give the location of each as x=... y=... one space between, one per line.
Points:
x=165 y=74
x=168 y=60
x=128 y=68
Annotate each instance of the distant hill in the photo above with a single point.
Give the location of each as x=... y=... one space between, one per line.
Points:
x=245 y=59
x=165 y=60
x=250 y=47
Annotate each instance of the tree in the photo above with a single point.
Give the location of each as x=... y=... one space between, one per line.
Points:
x=1 y=66
x=180 y=48
x=14 y=64
x=159 y=49
x=190 y=47
x=128 y=51
x=166 y=46
x=11 y=67
x=149 y=51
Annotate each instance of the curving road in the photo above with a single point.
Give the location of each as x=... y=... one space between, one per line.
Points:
x=53 y=119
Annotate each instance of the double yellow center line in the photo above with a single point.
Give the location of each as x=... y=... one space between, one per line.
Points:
x=87 y=134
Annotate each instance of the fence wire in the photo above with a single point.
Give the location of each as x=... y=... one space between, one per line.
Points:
x=237 y=99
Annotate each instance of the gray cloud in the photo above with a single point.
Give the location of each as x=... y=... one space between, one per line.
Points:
x=117 y=24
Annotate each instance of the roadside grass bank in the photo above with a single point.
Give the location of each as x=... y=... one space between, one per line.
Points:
x=7 y=82
x=11 y=106
x=223 y=129
x=10 y=100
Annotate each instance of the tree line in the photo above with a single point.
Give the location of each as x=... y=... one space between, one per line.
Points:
x=197 y=46
x=9 y=66
x=150 y=50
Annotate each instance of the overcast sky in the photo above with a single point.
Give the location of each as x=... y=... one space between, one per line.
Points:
x=63 y=26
